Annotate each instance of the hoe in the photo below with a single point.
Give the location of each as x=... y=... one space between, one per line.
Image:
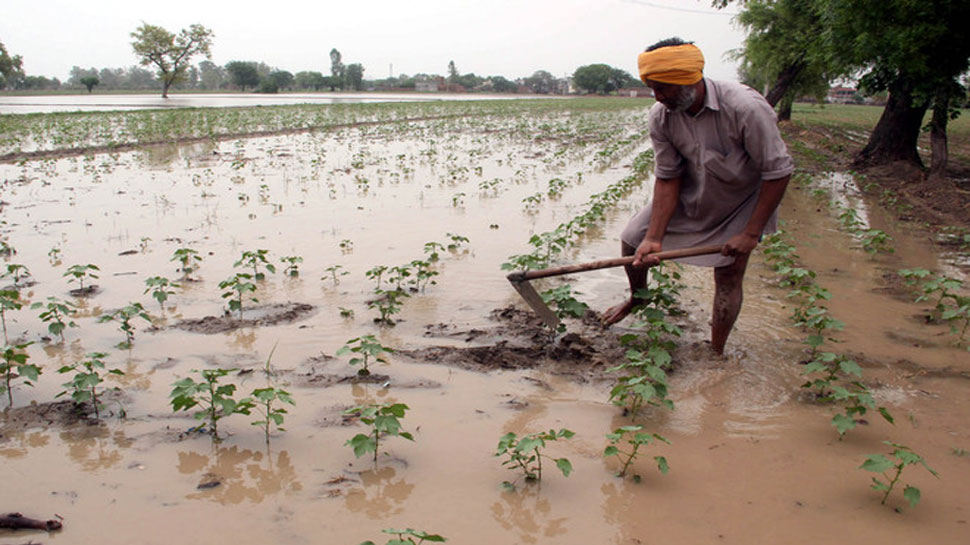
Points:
x=520 y=279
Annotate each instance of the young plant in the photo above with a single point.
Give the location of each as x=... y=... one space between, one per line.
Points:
x=15 y=366
x=856 y=402
x=57 y=315
x=124 y=317
x=566 y=305
x=456 y=241
x=17 y=272
x=256 y=260
x=215 y=400
x=79 y=273
x=423 y=274
x=827 y=368
x=636 y=438
x=335 y=274
x=433 y=250
x=160 y=287
x=292 y=263
x=367 y=349
x=902 y=456
x=236 y=287
x=411 y=536
x=388 y=303
x=376 y=274
x=384 y=420
x=188 y=260
x=525 y=455
x=88 y=374
x=9 y=300
x=265 y=401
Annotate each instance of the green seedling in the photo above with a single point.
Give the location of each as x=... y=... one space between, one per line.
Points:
x=423 y=274
x=17 y=272
x=827 y=368
x=458 y=199
x=346 y=245
x=124 y=317
x=57 y=315
x=292 y=263
x=950 y=306
x=188 y=260
x=376 y=274
x=335 y=274
x=79 y=273
x=388 y=303
x=635 y=438
x=367 y=349
x=433 y=250
x=160 y=288
x=215 y=400
x=857 y=402
x=88 y=375
x=565 y=303
x=456 y=241
x=407 y=537
x=346 y=312
x=236 y=287
x=398 y=275
x=645 y=381
x=902 y=456
x=383 y=420
x=15 y=366
x=256 y=260
x=265 y=402
x=9 y=300
x=54 y=256
x=525 y=454
x=818 y=321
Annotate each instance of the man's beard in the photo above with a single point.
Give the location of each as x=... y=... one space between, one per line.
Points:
x=685 y=100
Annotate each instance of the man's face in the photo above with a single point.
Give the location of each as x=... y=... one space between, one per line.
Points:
x=676 y=98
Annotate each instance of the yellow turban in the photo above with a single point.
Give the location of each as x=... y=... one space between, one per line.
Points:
x=676 y=64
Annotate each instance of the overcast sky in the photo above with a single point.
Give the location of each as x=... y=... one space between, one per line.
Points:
x=512 y=38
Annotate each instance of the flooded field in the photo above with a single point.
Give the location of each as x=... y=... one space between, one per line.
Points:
x=399 y=229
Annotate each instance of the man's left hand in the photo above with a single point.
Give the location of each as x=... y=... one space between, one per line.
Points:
x=739 y=244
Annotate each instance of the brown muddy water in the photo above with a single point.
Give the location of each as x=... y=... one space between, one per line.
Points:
x=751 y=459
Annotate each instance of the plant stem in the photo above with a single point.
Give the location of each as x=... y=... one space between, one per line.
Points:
x=899 y=470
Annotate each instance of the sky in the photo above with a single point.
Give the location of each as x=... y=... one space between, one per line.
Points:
x=511 y=38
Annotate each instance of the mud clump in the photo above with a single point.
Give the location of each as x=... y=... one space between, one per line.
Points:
x=521 y=341
x=55 y=414
x=267 y=315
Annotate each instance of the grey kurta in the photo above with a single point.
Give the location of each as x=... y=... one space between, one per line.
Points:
x=722 y=155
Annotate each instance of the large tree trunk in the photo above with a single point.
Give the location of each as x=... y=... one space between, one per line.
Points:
x=165 y=86
x=784 y=112
x=938 y=145
x=784 y=82
x=895 y=135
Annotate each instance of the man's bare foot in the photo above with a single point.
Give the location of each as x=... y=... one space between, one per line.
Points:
x=616 y=313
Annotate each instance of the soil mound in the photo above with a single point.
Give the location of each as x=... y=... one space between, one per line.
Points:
x=266 y=315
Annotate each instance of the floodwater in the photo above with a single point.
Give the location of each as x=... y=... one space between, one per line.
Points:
x=101 y=102
x=751 y=460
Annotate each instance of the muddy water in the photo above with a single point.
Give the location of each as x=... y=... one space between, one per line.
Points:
x=751 y=460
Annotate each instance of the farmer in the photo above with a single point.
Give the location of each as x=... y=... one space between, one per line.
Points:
x=721 y=170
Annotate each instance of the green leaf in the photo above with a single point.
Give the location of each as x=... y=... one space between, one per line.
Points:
x=912 y=495
x=565 y=466
x=877 y=463
x=885 y=414
x=611 y=451
x=662 y=464
x=843 y=424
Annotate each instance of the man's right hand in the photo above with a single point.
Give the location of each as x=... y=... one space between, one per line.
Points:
x=642 y=258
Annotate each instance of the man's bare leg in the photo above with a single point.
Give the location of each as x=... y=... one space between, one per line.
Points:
x=638 y=280
x=728 y=295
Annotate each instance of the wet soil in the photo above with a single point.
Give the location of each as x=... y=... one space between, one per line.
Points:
x=267 y=315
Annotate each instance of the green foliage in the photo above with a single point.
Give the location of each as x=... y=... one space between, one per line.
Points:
x=292 y=263
x=160 y=286
x=635 y=438
x=265 y=401
x=17 y=272
x=57 y=315
x=9 y=300
x=81 y=272
x=14 y=367
x=168 y=53
x=236 y=287
x=565 y=303
x=525 y=455
x=335 y=273
x=124 y=317
x=407 y=537
x=949 y=306
x=214 y=400
x=188 y=260
x=383 y=420
x=256 y=260
x=387 y=303
x=367 y=349
x=88 y=375
x=601 y=78
x=856 y=400
x=901 y=457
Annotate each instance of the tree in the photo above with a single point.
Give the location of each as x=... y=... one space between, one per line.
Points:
x=211 y=75
x=282 y=79
x=243 y=74
x=594 y=78
x=355 y=76
x=11 y=68
x=89 y=82
x=500 y=84
x=336 y=69
x=170 y=53
x=541 y=82
x=452 y=72
x=309 y=80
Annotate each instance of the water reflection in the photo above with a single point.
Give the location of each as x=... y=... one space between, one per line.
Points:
x=233 y=475
x=527 y=513
x=380 y=494
x=95 y=447
x=17 y=445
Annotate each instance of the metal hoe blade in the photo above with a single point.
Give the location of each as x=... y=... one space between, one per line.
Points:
x=535 y=301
